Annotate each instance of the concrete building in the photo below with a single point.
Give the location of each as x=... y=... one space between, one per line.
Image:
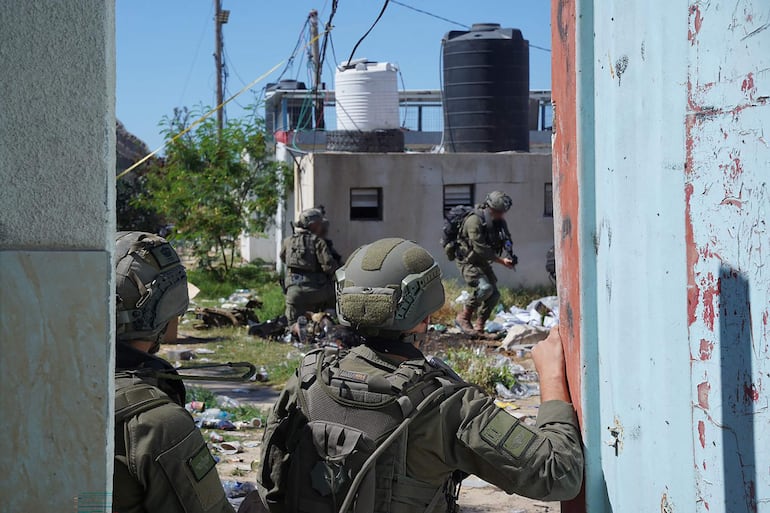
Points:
x=370 y=196
x=57 y=227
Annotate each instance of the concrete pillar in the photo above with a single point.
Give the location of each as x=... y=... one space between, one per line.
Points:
x=57 y=220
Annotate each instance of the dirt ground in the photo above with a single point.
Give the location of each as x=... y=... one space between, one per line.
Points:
x=476 y=495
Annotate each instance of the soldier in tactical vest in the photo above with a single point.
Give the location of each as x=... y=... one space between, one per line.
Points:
x=310 y=266
x=480 y=243
x=378 y=428
x=162 y=463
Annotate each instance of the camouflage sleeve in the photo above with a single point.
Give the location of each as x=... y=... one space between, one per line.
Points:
x=173 y=464
x=543 y=462
x=481 y=251
x=325 y=257
x=269 y=483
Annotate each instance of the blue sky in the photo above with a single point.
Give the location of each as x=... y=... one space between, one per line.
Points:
x=165 y=47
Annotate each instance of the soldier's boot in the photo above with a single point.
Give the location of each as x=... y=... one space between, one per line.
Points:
x=479 y=325
x=463 y=320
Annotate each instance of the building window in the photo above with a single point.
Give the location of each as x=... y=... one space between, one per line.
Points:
x=548 y=200
x=455 y=195
x=366 y=204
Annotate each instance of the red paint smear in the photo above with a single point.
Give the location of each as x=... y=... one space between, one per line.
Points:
x=751 y=392
x=691 y=34
x=703 y=394
x=735 y=202
x=702 y=436
x=704 y=464
x=709 y=297
x=706 y=348
x=707 y=505
x=736 y=169
x=698 y=19
x=693 y=293
x=765 y=316
x=748 y=84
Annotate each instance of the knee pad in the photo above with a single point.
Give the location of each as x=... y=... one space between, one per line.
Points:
x=485 y=290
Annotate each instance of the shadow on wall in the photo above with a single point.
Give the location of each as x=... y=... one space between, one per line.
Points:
x=739 y=393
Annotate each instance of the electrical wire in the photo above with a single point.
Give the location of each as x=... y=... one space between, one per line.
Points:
x=402 y=4
x=195 y=57
x=431 y=14
x=382 y=11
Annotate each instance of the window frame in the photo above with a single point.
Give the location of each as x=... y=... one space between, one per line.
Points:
x=359 y=217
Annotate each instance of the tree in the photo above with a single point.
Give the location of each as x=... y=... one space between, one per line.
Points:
x=212 y=188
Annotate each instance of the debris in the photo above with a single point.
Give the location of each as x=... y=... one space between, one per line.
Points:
x=522 y=335
x=203 y=350
x=252 y=443
x=438 y=328
x=192 y=291
x=194 y=406
x=493 y=327
x=180 y=354
x=219 y=317
x=235 y=489
x=517 y=391
x=271 y=329
x=229 y=448
x=216 y=437
x=462 y=298
x=224 y=401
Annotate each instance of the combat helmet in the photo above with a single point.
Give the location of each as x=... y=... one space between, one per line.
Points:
x=310 y=216
x=498 y=200
x=150 y=283
x=388 y=287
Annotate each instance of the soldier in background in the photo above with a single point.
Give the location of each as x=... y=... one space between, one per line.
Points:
x=161 y=462
x=480 y=243
x=310 y=266
x=337 y=439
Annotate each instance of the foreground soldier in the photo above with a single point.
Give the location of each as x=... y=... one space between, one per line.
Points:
x=480 y=244
x=337 y=439
x=162 y=463
x=310 y=266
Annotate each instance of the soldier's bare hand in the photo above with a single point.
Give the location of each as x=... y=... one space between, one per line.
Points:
x=507 y=262
x=548 y=356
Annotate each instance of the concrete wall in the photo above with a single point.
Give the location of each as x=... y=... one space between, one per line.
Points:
x=662 y=169
x=57 y=165
x=412 y=191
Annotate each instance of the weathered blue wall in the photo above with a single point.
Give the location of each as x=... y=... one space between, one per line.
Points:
x=666 y=177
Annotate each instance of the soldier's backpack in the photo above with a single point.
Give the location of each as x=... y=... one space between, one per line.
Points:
x=342 y=446
x=453 y=221
x=302 y=255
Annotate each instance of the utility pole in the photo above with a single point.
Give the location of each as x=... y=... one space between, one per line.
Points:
x=220 y=18
x=316 y=55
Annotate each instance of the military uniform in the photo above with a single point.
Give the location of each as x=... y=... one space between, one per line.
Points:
x=309 y=275
x=465 y=432
x=162 y=463
x=479 y=245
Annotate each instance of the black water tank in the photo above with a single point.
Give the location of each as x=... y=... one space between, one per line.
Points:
x=486 y=89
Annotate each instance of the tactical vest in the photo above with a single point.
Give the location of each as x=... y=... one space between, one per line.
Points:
x=131 y=399
x=344 y=447
x=302 y=256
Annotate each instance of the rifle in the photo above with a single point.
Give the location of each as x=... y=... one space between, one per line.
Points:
x=507 y=244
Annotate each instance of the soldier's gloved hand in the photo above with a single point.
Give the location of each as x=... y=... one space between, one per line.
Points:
x=548 y=356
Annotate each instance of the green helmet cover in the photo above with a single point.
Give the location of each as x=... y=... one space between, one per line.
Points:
x=310 y=216
x=150 y=283
x=388 y=287
x=498 y=200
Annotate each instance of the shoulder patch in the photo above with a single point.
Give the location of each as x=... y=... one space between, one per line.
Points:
x=201 y=463
x=353 y=376
x=503 y=431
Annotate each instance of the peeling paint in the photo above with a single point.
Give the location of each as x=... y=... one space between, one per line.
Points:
x=703 y=394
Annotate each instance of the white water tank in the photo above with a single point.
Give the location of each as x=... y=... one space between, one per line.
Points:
x=366 y=96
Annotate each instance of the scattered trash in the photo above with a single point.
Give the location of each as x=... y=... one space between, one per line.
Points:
x=180 y=354
x=517 y=391
x=224 y=401
x=229 y=448
x=248 y=424
x=506 y=405
x=271 y=329
x=252 y=443
x=203 y=350
x=462 y=298
x=225 y=425
x=195 y=406
x=523 y=334
x=216 y=437
x=493 y=327
x=438 y=328
x=261 y=375
x=235 y=489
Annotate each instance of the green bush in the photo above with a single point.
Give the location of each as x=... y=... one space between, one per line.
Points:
x=476 y=367
x=253 y=276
